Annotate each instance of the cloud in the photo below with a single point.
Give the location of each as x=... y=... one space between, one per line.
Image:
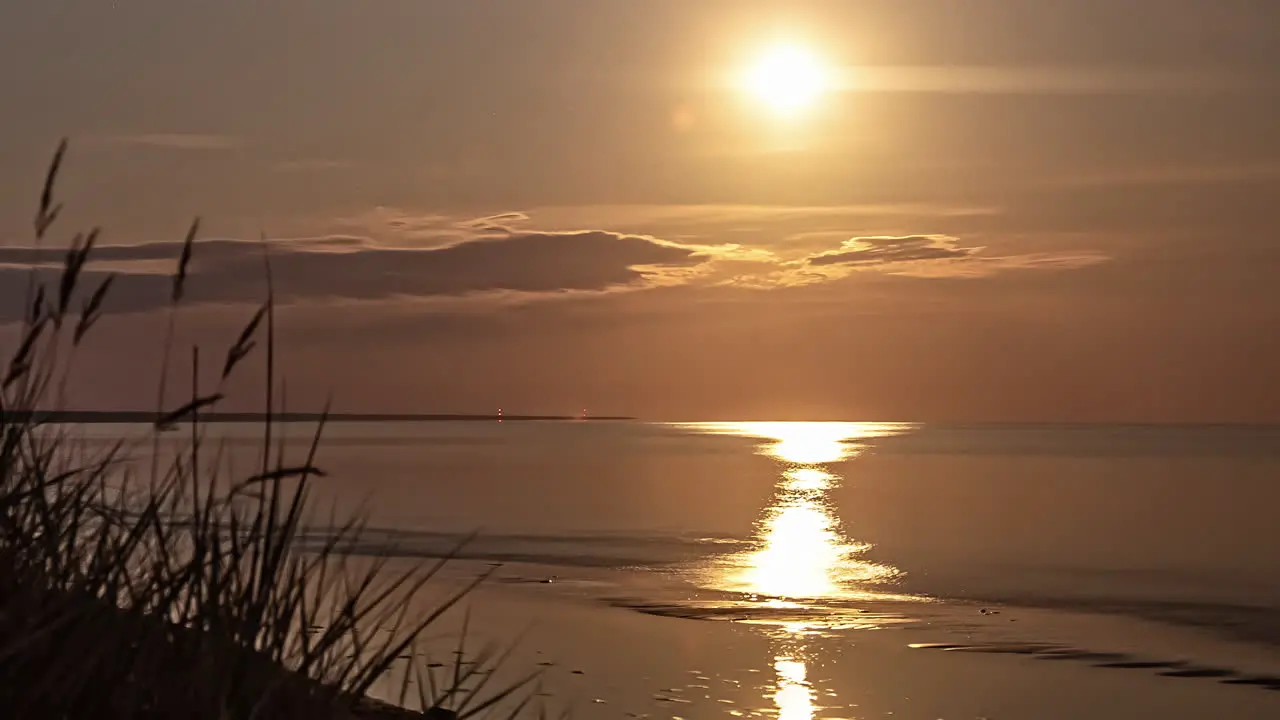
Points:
x=919 y=256
x=396 y=255
x=175 y=141
x=791 y=231
x=500 y=223
x=393 y=226
x=351 y=268
x=745 y=246
x=727 y=214
x=864 y=251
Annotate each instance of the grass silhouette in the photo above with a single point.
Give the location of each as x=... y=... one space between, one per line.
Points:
x=181 y=592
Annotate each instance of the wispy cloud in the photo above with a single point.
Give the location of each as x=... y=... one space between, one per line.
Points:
x=865 y=251
x=763 y=226
x=721 y=214
x=744 y=245
x=918 y=256
x=394 y=255
x=926 y=256
x=1046 y=80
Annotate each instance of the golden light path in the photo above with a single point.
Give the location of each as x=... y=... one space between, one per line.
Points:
x=802 y=553
x=794 y=698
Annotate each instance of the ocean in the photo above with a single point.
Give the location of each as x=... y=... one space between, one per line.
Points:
x=823 y=571
x=1176 y=524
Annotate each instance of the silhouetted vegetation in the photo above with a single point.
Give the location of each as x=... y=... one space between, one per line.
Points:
x=182 y=592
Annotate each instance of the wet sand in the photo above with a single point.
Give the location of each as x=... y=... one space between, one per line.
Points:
x=600 y=659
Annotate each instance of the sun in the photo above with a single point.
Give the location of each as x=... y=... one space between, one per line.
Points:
x=787 y=78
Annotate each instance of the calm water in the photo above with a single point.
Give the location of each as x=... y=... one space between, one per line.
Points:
x=805 y=520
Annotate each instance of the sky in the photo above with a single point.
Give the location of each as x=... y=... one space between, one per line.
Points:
x=996 y=210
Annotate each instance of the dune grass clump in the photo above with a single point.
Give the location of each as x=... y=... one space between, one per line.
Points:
x=179 y=592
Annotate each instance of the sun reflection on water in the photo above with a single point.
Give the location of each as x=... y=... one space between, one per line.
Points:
x=803 y=555
x=806 y=443
x=801 y=551
x=794 y=698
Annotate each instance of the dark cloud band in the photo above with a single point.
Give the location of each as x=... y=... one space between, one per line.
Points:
x=336 y=268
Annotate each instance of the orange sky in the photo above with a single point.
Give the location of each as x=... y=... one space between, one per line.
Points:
x=1000 y=210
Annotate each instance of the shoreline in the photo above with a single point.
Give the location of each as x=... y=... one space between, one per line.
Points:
x=1048 y=665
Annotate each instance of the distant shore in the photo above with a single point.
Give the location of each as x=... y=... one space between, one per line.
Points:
x=131 y=416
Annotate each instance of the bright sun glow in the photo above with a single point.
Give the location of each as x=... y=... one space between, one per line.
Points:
x=787 y=78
